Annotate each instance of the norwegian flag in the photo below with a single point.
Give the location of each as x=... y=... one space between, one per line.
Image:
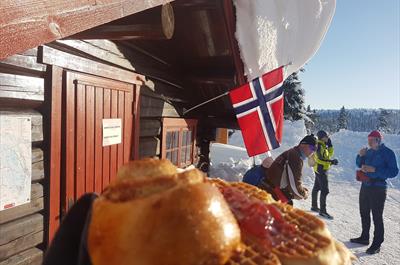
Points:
x=259 y=110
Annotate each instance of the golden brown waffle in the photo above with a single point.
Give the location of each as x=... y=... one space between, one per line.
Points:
x=253 y=255
x=313 y=243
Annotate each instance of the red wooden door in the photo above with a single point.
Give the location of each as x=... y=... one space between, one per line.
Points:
x=87 y=165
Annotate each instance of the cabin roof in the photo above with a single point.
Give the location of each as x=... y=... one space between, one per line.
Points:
x=203 y=49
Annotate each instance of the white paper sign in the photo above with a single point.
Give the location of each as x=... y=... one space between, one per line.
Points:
x=15 y=160
x=112 y=131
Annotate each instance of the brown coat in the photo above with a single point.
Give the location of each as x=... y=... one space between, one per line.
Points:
x=294 y=181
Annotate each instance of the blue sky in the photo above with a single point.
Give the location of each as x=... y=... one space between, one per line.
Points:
x=357 y=64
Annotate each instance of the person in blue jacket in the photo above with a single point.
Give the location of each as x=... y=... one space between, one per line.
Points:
x=377 y=164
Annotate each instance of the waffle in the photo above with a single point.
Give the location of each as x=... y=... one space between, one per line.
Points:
x=312 y=244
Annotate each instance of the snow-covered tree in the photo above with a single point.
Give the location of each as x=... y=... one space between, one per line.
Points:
x=310 y=123
x=294 y=108
x=342 y=121
x=383 y=124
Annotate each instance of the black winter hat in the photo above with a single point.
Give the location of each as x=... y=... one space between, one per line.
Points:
x=321 y=134
x=309 y=139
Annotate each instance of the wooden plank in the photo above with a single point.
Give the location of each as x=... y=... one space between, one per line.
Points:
x=54 y=97
x=121 y=115
x=37 y=164
x=20 y=244
x=106 y=149
x=27 y=61
x=52 y=56
x=34 y=206
x=69 y=144
x=149 y=147
x=37 y=171
x=32 y=256
x=21 y=87
x=128 y=126
x=107 y=52
x=113 y=148
x=150 y=127
x=98 y=169
x=90 y=139
x=80 y=173
x=30 y=23
x=136 y=122
x=153 y=107
x=20 y=227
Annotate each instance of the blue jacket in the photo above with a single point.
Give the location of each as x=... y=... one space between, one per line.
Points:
x=384 y=162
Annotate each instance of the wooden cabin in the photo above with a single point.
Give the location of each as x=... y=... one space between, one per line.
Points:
x=71 y=64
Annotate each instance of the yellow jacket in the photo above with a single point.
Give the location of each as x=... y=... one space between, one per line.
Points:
x=322 y=157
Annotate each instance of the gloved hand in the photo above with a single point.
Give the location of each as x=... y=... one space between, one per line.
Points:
x=334 y=162
x=329 y=143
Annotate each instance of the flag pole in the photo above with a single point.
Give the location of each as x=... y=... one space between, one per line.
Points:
x=217 y=97
x=205 y=102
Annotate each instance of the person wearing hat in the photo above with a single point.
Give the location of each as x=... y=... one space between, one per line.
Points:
x=323 y=160
x=283 y=179
x=377 y=163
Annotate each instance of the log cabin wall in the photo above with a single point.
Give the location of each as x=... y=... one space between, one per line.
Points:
x=22 y=228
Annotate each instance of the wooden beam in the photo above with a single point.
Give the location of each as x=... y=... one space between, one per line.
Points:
x=160 y=25
x=20 y=227
x=30 y=23
x=48 y=55
x=20 y=244
x=32 y=256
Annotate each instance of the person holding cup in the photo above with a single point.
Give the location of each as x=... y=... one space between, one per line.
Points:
x=377 y=163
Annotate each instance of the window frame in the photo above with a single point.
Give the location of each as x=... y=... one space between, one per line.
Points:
x=179 y=125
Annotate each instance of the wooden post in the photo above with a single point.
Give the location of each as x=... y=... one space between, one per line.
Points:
x=53 y=99
x=222 y=136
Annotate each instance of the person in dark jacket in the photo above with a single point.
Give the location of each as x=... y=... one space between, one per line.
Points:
x=377 y=164
x=283 y=179
x=323 y=160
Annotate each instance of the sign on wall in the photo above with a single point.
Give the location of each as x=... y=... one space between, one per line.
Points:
x=15 y=160
x=112 y=131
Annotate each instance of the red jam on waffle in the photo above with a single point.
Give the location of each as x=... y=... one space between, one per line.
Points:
x=261 y=220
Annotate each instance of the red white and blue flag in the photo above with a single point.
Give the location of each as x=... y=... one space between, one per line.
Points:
x=259 y=110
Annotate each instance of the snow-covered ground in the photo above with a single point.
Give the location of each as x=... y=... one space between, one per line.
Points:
x=230 y=162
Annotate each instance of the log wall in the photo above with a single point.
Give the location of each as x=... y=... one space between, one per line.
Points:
x=22 y=228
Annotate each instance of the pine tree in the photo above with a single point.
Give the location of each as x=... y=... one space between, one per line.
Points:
x=343 y=119
x=310 y=123
x=294 y=108
x=383 y=124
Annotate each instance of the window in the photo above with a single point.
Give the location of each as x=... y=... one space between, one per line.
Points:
x=179 y=141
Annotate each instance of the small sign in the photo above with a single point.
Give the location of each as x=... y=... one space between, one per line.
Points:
x=15 y=160
x=112 y=131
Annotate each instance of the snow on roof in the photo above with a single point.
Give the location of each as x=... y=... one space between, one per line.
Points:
x=272 y=33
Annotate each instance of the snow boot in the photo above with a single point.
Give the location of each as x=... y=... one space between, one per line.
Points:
x=325 y=215
x=360 y=240
x=315 y=209
x=373 y=249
